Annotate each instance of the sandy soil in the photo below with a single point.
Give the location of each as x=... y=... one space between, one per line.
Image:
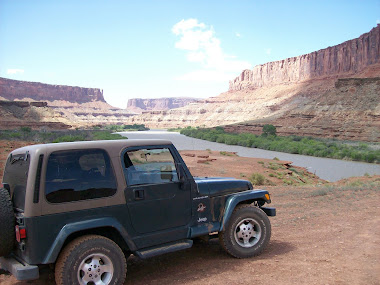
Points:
x=325 y=233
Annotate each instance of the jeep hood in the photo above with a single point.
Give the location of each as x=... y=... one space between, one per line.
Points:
x=219 y=186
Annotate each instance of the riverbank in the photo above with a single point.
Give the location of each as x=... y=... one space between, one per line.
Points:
x=326 y=168
x=330 y=148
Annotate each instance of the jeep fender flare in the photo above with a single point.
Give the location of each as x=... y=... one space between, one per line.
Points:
x=242 y=197
x=71 y=228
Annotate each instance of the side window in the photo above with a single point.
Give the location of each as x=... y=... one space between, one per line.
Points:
x=79 y=175
x=150 y=166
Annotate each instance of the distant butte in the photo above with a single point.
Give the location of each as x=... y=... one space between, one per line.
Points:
x=140 y=105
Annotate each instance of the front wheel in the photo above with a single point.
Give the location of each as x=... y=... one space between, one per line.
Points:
x=89 y=260
x=246 y=233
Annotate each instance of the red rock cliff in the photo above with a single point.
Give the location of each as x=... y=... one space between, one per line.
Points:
x=139 y=104
x=14 y=89
x=344 y=59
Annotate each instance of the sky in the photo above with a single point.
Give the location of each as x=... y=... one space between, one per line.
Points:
x=154 y=49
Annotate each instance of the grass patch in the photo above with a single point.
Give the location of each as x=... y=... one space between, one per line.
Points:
x=318 y=192
x=125 y=128
x=42 y=136
x=257 y=179
x=226 y=153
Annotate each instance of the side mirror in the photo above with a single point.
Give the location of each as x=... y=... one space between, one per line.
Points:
x=166 y=173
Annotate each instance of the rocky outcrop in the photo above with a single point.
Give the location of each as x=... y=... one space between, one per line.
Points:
x=350 y=111
x=347 y=108
x=76 y=106
x=15 y=114
x=348 y=58
x=304 y=95
x=20 y=90
x=23 y=104
x=158 y=104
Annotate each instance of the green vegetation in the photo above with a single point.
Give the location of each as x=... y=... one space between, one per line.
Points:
x=226 y=153
x=257 y=179
x=269 y=130
x=43 y=136
x=174 y=130
x=126 y=128
x=291 y=144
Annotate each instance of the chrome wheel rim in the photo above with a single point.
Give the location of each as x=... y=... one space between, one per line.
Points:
x=247 y=232
x=96 y=269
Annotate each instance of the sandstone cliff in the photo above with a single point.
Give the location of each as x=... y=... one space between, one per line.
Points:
x=19 y=90
x=15 y=114
x=349 y=111
x=348 y=58
x=76 y=106
x=302 y=95
x=140 y=105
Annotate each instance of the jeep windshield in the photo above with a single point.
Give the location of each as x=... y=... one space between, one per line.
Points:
x=15 y=178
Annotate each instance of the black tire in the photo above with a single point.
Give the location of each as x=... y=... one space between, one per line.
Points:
x=88 y=259
x=7 y=223
x=247 y=232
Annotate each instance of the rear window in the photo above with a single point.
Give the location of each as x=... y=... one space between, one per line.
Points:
x=16 y=176
x=79 y=175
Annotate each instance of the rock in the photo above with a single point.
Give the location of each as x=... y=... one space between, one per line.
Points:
x=344 y=59
x=19 y=90
x=333 y=92
x=73 y=106
x=160 y=104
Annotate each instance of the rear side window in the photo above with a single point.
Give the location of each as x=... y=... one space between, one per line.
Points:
x=150 y=166
x=16 y=176
x=79 y=175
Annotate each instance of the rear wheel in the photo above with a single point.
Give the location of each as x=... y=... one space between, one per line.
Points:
x=7 y=223
x=91 y=260
x=246 y=233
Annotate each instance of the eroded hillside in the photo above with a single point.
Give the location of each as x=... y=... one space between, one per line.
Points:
x=314 y=94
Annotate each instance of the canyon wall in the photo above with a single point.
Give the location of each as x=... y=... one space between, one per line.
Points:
x=73 y=106
x=350 y=57
x=141 y=105
x=19 y=90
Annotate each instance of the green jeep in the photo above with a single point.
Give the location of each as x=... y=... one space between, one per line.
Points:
x=86 y=206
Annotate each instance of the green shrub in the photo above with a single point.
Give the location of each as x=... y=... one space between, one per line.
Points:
x=26 y=129
x=269 y=130
x=257 y=179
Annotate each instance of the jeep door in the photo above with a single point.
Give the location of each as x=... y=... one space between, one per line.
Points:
x=157 y=199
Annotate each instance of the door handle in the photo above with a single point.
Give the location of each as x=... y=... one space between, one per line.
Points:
x=139 y=194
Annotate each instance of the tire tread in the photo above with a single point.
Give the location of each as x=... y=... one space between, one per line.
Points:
x=70 y=248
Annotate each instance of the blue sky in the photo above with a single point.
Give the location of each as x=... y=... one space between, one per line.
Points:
x=152 y=49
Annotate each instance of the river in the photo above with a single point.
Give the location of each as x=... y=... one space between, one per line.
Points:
x=326 y=168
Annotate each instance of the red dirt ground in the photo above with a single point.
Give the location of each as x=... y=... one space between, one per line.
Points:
x=324 y=233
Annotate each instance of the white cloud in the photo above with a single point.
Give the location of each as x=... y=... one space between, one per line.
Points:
x=238 y=35
x=15 y=71
x=203 y=47
x=268 y=51
x=378 y=21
